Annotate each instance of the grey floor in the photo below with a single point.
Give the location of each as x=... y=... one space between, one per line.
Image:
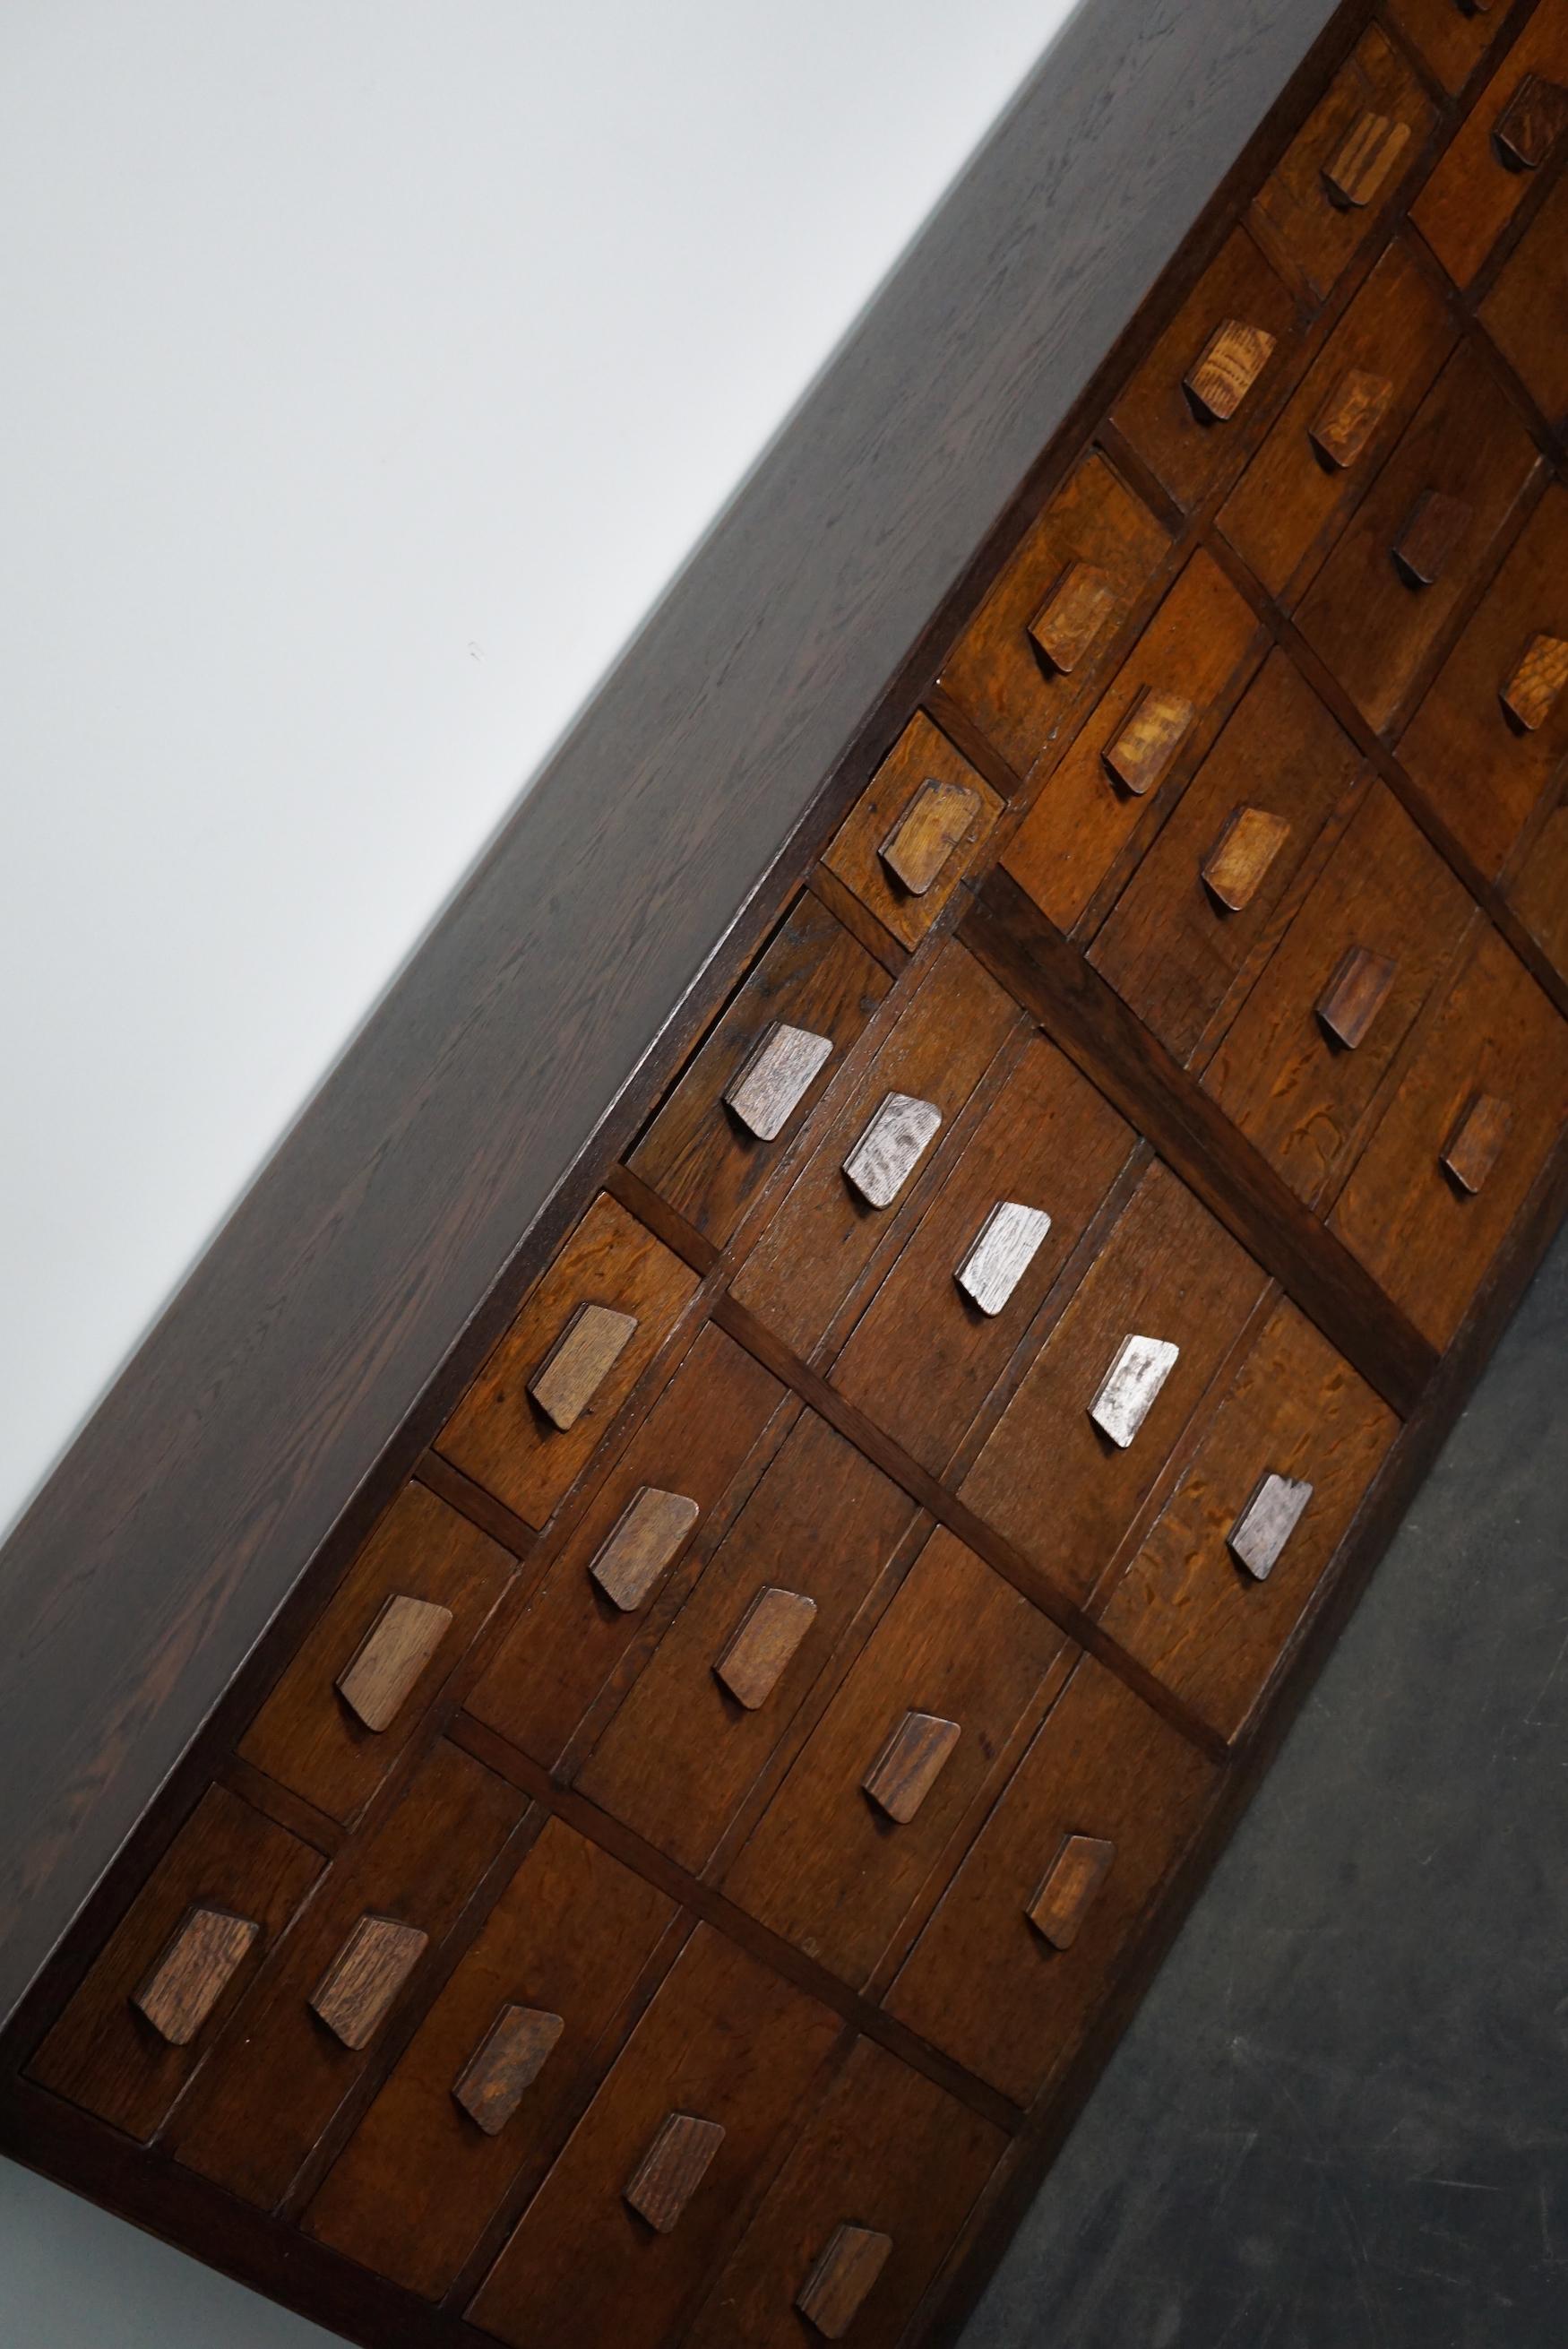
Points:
x=1340 y=2120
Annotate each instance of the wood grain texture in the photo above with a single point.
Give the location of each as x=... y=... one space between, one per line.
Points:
x=642 y=1545
x=909 y=1765
x=1535 y=687
x=382 y=1674
x=1225 y=370
x=1326 y=196
x=1451 y=39
x=1538 y=891
x=672 y=2169
x=925 y=837
x=763 y=1644
x=580 y=1361
x=505 y=2066
x=1069 y=1888
x=1131 y=1387
x=886 y=1153
x=358 y=1990
x=1532 y=123
x=1347 y=423
x=1004 y=1247
x=835 y=2292
x=1237 y=866
x=922 y=762
x=1361 y=985
x=1158 y=725
x=1478 y=1141
x=1361 y=165
x=1523 y=312
x=193 y=1973
x=770 y=1086
x=1273 y=1510
x=1430 y=536
x=1473 y=196
x=1077 y=609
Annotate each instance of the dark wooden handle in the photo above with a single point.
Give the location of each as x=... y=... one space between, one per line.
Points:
x=1355 y=994
x=1069 y=1888
x=1532 y=692
x=1475 y=1146
x=356 y=1993
x=762 y=1644
x=1530 y=124
x=640 y=1545
x=833 y=2293
x=389 y=1659
x=1345 y=424
x=910 y=1763
x=673 y=2169
x=1433 y=529
x=505 y=2064
x=1230 y=364
x=193 y=1972
x=579 y=1363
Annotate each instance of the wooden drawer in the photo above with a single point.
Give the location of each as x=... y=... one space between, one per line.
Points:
x=1205 y=905
x=1372 y=614
x=686 y=2120
x=575 y=1632
x=1454 y=39
x=175 y=1968
x=1287 y=1072
x=586 y=1332
x=1526 y=313
x=926 y=1355
x=1143 y=739
x=1079 y=576
x=885 y=1787
x=701 y=1153
x=412 y=1603
x=821 y=1237
x=773 y=1602
x=1229 y=1570
x=1012 y=1999
x=493 y=2078
x=1480 y=763
x=276 y=2080
x=1481 y=1105
x=1538 y=891
x=1338 y=425
x=923 y=820
x=1168 y=1272
x=1483 y=177
x=860 y=2217
x=1229 y=347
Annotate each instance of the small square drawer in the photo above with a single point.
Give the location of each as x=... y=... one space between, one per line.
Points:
x=1509 y=137
x=629 y=2222
x=592 y=1609
x=860 y=2217
x=888 y=1780
x=1197 y=407
x=921 y=823
x=1143 y=738
x=1470 y=1127
x=1213 y=1598
x=701 y=1724
x=1539 y=890
x=1453 y=35
x=174 y=1971
x=1113 y=1388
x=586 y=1332
x=1206 y=903
x=1300 y=1067
x=1036 y=1928
x=1526 y=313
x=486 y=2092
x=779 y=1044
x=1048 y=630
x=1419 y=542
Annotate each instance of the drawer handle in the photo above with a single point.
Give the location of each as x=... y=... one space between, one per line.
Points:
x=1231 y=361
x=672 y=2169
x=1267 y=1523
x=644 y=1540
x=1127 y=1391
x=193 y=1972
x=1475 y=1146
x=1234 y=868
x=1365 y=161
x=1070 y=1889
x=927 y=832
x=763 y=1643
x=1073 y=615
x=774 y=1079
x=378 y=1683
x=1530 y=124
x=1433 y=529
x=1355 y=994
x=579 y=1363
x=887 y=1153
x=1155 y=729
x=1533 y=692
x=1348 y=417
x=1475 y=7
x=1004 y=1247
x=358 y=1989
x=505 y=2066
x=831 y=2296
x=910 y=1763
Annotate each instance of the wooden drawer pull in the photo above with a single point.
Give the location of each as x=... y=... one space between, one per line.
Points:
x=1156 y=727
x=927 y=832
x=1475 y=1146
x=1003 y=1249
x=910 y=1763
x=641 y=1543
x=358 y=1989
x=763 y=1643
x=1475 y=7
x=1267 y=1523
x=1530 y=124
x=1128 y=1389
x=1072 y=616
x=193 y=1972
x=1233 y=358
x=1366 y=160
x=672 y=2169
x=1433 y=529
x=1533 y=692
x=579 y=1363
x=775 y=1079
x=886 y=1155
x=505 y=2064
x=1234 y=868
x=378 y=1683
x=830 y=2298
x=1348 y=417
x=1355 y=994
x=1070 y=1887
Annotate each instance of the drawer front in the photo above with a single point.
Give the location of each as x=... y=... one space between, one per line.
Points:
x=985 y=1982
x=499 y=1434
x=574 y=1635
x=1525 y=314
x=1539 y=893
x=700 y=1154
x=1206 y=902
x=1296 y=1088
x=1427 y=1235
x=413 y=1602
x=1143 y=737
x=810 y=1546
x=835 y=1868
x=1228 y=1571
x=1360 y=145
x=726 y=2043
x=1453 y=40
x=925 y=1355
x=1095 y=547
x=923 y=822
x=1168 y=1272
x=521 y=2032
x=1479 y=185
x=860 y=2217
